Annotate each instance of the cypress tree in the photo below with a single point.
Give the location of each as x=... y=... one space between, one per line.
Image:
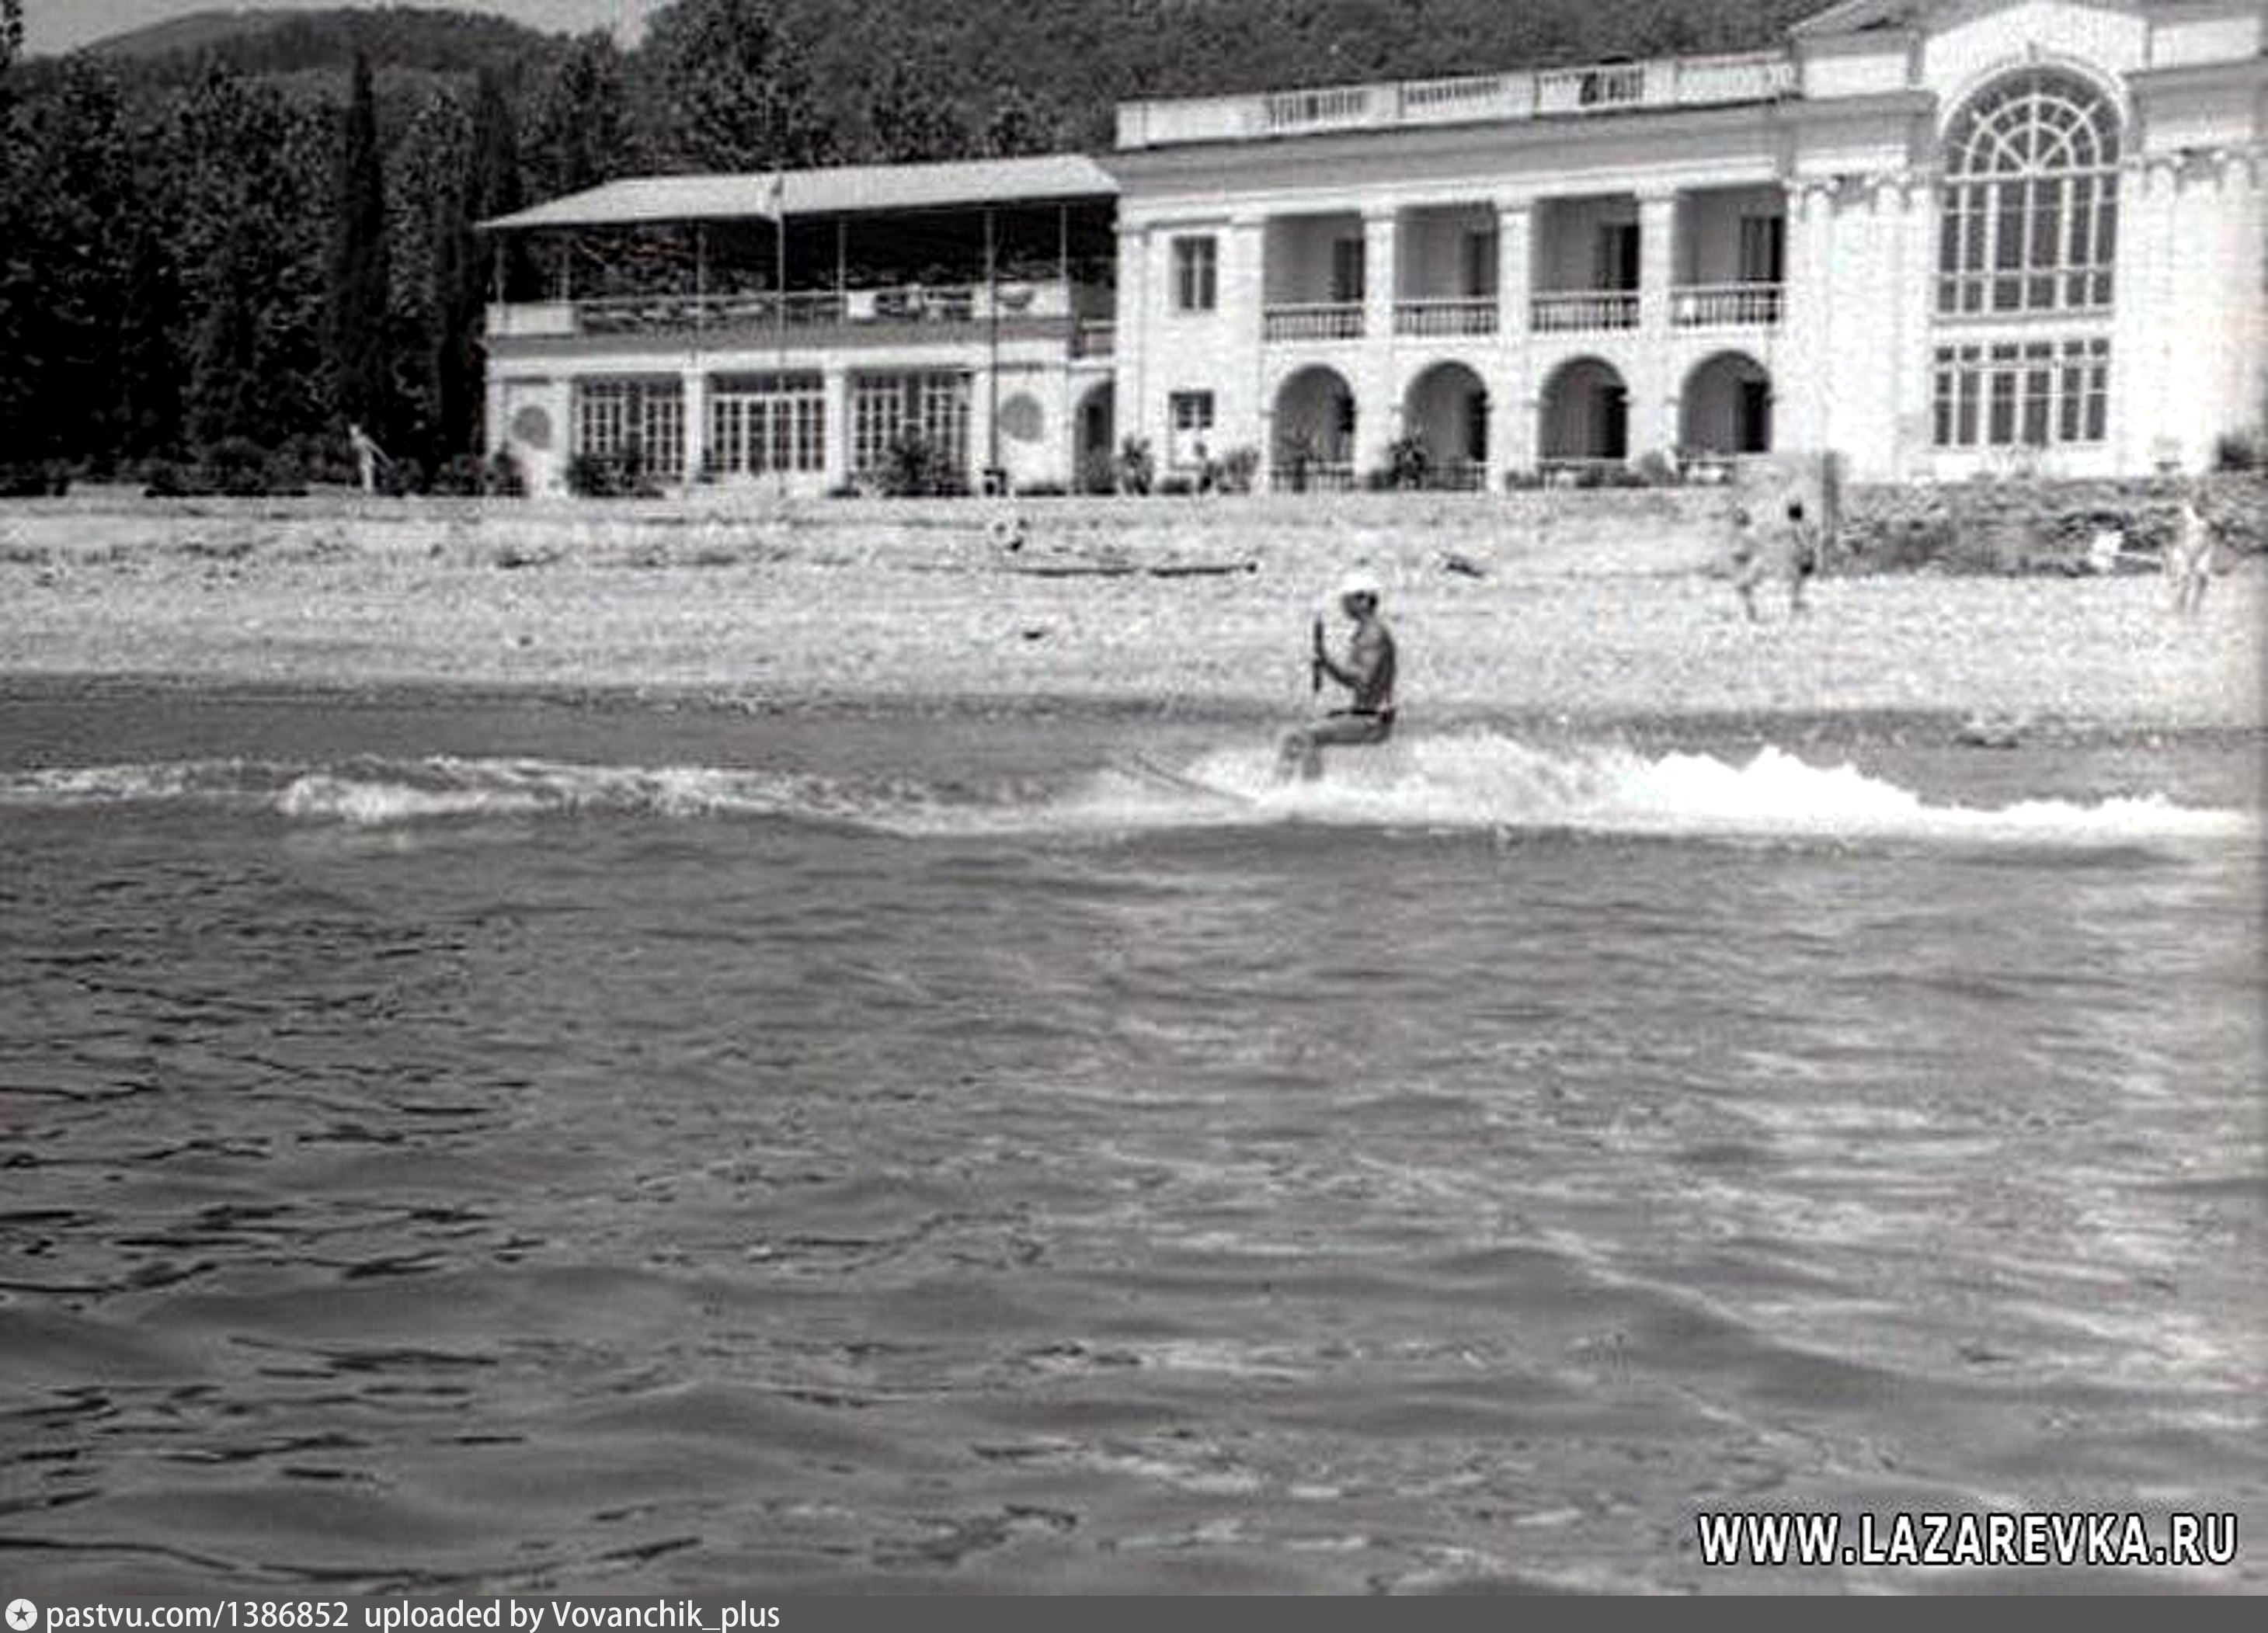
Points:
x=224 y=384
x=149 y=361
x=496 y=190
x=457 y=311
x=359 y=275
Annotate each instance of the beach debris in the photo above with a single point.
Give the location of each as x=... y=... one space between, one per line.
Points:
x=1462 y=566
x=1203 y=569
x=2103 y=550
x=1989 y=729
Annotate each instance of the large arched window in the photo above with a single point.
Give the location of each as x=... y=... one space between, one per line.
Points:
x=2031 y=218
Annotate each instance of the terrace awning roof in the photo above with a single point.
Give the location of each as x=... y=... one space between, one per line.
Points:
x=845 y=190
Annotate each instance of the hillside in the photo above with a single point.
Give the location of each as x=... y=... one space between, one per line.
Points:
x=1075 y=54
x=416 y=38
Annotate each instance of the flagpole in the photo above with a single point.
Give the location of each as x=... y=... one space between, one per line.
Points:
x=779 y=322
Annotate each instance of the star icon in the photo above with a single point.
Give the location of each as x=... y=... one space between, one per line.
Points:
x=23 y=1615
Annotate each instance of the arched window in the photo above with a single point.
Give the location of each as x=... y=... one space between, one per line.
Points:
x=2031 y=219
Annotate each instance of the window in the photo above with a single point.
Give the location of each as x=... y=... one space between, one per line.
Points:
x=635 y=422
x=1346 y=271
x=763 y=423
x=933 y=402
x=1614 y=256
x=1196 y=274
x=1188 y=418
x=2022 y=393
x=1480 y=265
x=2029 y=219
x=1763 y=248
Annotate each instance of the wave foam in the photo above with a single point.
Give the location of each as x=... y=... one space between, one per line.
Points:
x=1475 y=781
x=1483 y=780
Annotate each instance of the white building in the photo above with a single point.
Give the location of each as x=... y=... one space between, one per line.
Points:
x=968 y=304
x=1935 y=237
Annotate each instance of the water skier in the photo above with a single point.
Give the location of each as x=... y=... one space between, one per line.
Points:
x=1368 y=673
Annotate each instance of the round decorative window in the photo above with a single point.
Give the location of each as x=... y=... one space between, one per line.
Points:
x=1021 y=418
x=532 y=426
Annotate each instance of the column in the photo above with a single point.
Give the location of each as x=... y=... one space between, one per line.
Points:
x=1378 y=407
x=1654 y=392
x=835 y=381
x=496 y=430
x=2226 y=280
x=1241 y=418
x=1130 y=396
x=1801 y=383
x=2156 y=362
x=1871 y=387
x=2248 y=288
x=1511 y=428
x=1917 y=298
x=696 y=425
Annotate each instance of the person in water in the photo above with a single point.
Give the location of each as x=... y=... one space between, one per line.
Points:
x=1368 y=673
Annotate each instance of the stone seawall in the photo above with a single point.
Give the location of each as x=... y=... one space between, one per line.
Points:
x=2036 y=527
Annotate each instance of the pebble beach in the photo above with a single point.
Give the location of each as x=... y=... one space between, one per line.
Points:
x=1576 y=609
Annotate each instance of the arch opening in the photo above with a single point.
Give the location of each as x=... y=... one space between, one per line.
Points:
x=1312 y=447
x=1585 y=415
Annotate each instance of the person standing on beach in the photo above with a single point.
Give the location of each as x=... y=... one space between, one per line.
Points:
x=1367 y=673
x=1794 y=554
x=2188 y=562
x=368 y=457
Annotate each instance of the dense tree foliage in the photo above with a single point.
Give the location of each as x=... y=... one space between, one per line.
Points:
x=739 y=90
x=358 y=347
x=218 y=233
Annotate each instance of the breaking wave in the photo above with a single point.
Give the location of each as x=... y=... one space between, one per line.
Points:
x=1487 y=779
x=1479 y=781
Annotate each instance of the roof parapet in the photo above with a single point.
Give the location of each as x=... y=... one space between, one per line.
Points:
x=1521 y=94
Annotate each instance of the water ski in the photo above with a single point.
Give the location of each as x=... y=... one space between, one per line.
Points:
x=1142 y=769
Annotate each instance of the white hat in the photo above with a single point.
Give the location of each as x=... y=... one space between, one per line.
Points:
x=1360 y=581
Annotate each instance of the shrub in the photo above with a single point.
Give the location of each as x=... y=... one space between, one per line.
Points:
x=592 y=476
x=915 y=467
x=504 y=476
x=1239 y=468
x=1656 y=469
x=1177 y=487
x=28 y=480
x=1040 y=491
x=235 y=465
x=1137 y=469
x=2241 y=451
x=1407 y=463
x=464 y=474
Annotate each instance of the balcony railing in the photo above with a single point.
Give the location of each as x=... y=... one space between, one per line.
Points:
x=638 y=315
x=1334 y=319
x=1605 y=88
x=1584 y=90
x=1313 y=476
x=1565 y=310
x=1473 y=314
x=1094 y=339
x=1332 y=107
x=1717 y=306
x=799 y=310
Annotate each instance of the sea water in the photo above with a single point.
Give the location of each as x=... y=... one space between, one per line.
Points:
x=491 y=1145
